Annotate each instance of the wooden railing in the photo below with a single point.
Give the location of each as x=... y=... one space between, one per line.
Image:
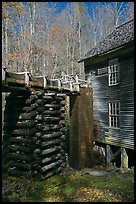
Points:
x=64 y=82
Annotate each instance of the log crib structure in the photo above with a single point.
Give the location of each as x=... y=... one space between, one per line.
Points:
x=34 y=139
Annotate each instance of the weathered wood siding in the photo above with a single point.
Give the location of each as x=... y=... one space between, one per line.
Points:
x=103 y=94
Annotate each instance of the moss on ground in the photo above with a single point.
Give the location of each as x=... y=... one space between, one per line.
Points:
x=73 y=188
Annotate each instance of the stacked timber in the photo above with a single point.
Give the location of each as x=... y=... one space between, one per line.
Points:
x=52 y=147
x=34 y=134
x=36 y=139
x=18 y=128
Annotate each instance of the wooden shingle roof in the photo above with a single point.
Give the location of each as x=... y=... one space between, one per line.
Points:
x=120 y=36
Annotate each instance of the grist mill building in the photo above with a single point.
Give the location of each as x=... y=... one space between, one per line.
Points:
x=109 y=67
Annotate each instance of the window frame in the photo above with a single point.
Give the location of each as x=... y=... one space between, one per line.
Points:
x=113 y=113
x=113 y=72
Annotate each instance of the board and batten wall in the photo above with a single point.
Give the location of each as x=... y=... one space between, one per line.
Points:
x=103 y=94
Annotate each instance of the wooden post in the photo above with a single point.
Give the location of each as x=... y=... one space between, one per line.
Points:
x=71 y=88
x=124 y=158
x=3 y=74
x=77 y=84
x=108 y=154
x=27 y=78
x=59 y=83
x=44 y=81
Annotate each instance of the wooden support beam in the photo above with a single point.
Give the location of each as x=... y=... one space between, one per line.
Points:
x=124 y=158
x=114 y=155
x=108 y=154
x=59 y=83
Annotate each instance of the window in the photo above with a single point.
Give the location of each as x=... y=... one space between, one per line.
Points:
x=114 y=109
x=113 y=71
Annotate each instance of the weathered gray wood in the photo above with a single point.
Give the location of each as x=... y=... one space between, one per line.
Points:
x=34 y=106
x=33 y=97
x=124 y=158
x=53 y=172
x=55 y=102
x=40 y=102
x=35 y=165
x=20 y=140
x=54 y=106
x=39 y=117
x=51 y=158
x=27 y=116
x=34 y=139
x=30 y=108
x=49 y=166
x=25 y=124
x=63 y=103
x=62 y=109
x=115 y=154
x=63 y=157
x=52 y=135
x=40 y=94
x=20 y=157
x=62 y=122
x=38 y=142
x=19 y=148
x=62 y=151
x=62 y=115
x=40 y=109
x=59 y=98
x=63 y=129
x=63 y=145
x=51 y=150
x=53 y=94
x=63 y=137
x=47 y=98
x=48 y=119
x=51 y=127
x=21 y=132
x=39 y=127
x=38 y=134
x=102 y=94
x=29 y=101
x=36 y=158
x=52 y=112
x=37 y=151
x=108 y=154
x=52 y=142
x=63 y=165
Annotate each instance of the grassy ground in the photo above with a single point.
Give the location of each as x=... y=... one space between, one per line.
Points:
x=73 y=188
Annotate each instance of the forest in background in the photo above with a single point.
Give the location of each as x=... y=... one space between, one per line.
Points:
x=38 y=38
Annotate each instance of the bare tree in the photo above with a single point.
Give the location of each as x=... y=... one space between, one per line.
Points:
x=37 y=38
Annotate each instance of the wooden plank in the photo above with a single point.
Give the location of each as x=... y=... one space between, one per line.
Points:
x=26 y=80
x=124 y=158
x=108 y=154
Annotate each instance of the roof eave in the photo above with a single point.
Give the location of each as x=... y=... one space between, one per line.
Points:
x=106 y=52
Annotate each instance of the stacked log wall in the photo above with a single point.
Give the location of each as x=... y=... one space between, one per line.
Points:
x=18 y=128
x=53 y=151
x=34 y=134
